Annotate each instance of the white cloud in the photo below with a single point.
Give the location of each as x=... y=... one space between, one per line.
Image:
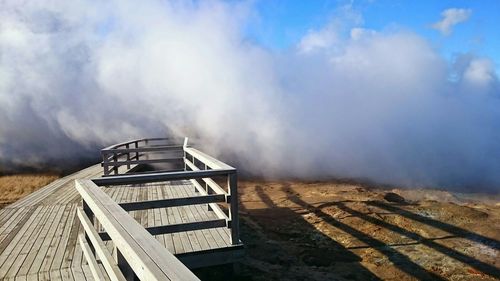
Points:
x=450 y=18
x=480 y=72
x=359 y=33
x=328 y=36
x=321 y=39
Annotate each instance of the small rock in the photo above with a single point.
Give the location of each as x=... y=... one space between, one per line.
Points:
x=393 y=197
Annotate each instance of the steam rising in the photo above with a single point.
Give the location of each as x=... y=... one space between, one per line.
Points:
x=345 y=102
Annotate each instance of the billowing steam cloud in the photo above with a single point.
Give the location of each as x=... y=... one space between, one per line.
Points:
x=346 y=102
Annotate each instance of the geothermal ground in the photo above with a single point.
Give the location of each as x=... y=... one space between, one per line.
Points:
x=347 y=231
x=343 y=231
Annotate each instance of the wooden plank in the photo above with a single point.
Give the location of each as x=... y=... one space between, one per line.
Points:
x=65 y=236
x=67 y=275
x=24 y=278
x=23 y=247
x=172 y=202
x=56 y=239
x=100 y=249
x=77 y=259
x=198 y=242
x=214 y=232
x=55 y=275
x=213 y=206
x=4 y=213
x=19 y=235
x=87 y=273
x=42 y=252
x=187 y=190
x=155 y=213
x=176 y=237
x=70 y=250
x=206 y=232
x=145 y=255
x=181 y=240
x=13 y=222
x=187 y=219
x=163 y=220
x=96 y=272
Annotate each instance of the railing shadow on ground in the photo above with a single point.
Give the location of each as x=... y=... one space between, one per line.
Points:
x=457 y=231
x=400 y=260
x=270 y=247
x=454 y=254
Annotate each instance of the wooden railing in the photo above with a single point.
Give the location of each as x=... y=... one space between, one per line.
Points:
x=140 y=151
x=200 y=169
x=137 y=252
x=211 y=192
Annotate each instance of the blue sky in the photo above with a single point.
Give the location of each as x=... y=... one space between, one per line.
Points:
x=279 y=24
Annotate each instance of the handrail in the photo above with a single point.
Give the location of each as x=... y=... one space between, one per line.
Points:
x=137 y=250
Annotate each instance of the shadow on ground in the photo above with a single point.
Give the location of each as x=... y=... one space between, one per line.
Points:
x=296 y=231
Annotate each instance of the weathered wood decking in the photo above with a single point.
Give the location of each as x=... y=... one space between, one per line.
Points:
x=39 y=233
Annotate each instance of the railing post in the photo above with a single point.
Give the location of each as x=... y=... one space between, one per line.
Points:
x=207 y=190
x=115 y=167
x=128 y=156
x=232 y=181
x=105 y=161
x=137 y=152
x=125 y=268
x=185 y=158
x=88 y=212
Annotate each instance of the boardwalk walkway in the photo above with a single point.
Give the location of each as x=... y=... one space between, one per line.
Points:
x=39 y=233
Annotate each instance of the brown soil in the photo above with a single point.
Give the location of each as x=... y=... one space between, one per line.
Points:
x=14 y=187
x=339 y=231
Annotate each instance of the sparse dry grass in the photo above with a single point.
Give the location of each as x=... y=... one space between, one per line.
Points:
x=14 y=187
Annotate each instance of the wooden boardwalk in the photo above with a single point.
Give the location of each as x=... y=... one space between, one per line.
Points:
x=39 y=233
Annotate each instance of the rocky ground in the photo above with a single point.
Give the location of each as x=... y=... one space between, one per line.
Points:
x=344 y=231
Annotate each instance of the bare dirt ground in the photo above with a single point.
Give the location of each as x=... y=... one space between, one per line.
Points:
x=339 y=231
x=14 y=187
